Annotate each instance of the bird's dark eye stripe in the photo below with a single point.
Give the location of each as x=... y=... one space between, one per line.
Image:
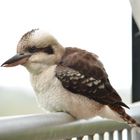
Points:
x=48 y=49
x=32 y=49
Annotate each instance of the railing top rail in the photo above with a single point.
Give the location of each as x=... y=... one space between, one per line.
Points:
x=56 y=126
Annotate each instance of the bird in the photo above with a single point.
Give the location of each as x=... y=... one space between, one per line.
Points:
x=68 y=79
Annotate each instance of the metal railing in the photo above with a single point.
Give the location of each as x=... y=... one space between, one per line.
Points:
x=56 y=126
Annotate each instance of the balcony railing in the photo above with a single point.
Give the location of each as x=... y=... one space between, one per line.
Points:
x=56 y=126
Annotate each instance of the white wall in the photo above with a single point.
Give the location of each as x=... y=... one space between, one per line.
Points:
x=103 y=27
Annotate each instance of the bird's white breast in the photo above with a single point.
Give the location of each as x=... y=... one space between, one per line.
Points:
x=53 y=97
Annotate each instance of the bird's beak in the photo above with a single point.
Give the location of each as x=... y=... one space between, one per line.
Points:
x=17 y=59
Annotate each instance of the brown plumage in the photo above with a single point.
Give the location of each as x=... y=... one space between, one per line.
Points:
x=82 y=73
x=127 y=118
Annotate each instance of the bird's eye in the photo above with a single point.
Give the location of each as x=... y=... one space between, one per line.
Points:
x=32 y=49
x=49 y=49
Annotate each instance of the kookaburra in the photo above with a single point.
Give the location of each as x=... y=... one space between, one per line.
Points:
x=68 y=79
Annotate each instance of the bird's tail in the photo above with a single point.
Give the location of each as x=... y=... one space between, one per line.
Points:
x=127 y=118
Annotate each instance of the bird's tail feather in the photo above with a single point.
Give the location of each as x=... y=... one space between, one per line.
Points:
x=127 y=118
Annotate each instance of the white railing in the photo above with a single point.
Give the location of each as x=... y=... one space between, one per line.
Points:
x=56 y=126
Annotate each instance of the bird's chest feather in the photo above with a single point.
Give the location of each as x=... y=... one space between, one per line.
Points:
x=53 y=97
x=47 y=89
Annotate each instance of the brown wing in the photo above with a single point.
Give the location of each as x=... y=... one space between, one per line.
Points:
x=82 y=73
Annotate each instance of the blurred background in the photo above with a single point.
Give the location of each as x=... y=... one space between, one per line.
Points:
x=102 y=27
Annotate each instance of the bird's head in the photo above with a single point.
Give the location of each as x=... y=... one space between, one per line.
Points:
x=36 y=50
